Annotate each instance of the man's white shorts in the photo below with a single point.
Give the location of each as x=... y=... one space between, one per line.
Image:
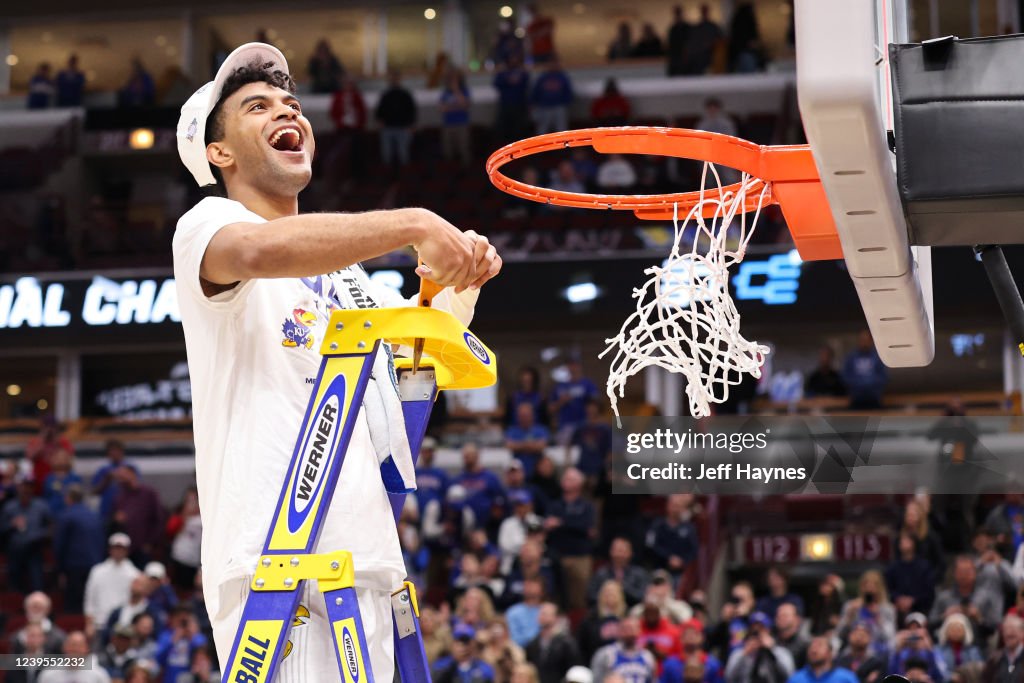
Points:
x=312 y=656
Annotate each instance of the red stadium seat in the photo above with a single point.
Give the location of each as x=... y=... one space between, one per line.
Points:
x=71 y=622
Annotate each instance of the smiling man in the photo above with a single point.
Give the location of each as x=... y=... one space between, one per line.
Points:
x=256 y=284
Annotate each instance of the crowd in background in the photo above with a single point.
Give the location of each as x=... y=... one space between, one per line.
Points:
x=532 y=572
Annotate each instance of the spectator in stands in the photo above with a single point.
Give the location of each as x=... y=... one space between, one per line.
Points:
x=70 y=84
x=516 y=528
x=910 y=578
x=586 y=167
x=455 y=103
x=137 y=511
x=528 y=390
x=482 y=486
x=821 y=667
x=177 y=643
x=512 y=81
x=497 y=649
x=620 y=568
x=540 y=36
x=138 y=603
x=161 y=595
x=515 y=480
x=678 y=35
x=552 y=651
x=716 y=119
x=139 y=91
x=993 y=571
x=144 y=627
x=37 y=611
x=956 y=643
x=527 y=439
x=109 y=583
x=105 y=482
x=1007 y=665
x=825 y=380
x=745 y=51
x=75 y=645
x=649 y=44
x=1006 y=521
x=463 y=665
x=593 y=439
x=600 y=627
x=611 y=108
x=59 y=478
x=865 y=375
x=197 y=605
x=41 y=448
x=759 y=659
x=532 y=563
x=872 y=606
x=551 y=96
x=615 y=172
x=40 y=88
x=35 y=644
x=672 y=540
x=860 y=655
x=660 y=592
x=119 y=652
x=348 y=111
x=827 y=604
x=569 y=399
x=728 y=634
x=914 y=643
x=396 y=114
x=25 y=524
x=508 y=47
x=779 y=593
x=545 y=480
x=929 y=547
x=470 y=575
x=625 y=657
x=978 y=602
x=77 y=546
x=571 y=531
x=565 y=179
x=695 y=665
x=325 y=69
x=790 y=632
x=701 y=43
x=523 y=617
x=657 y=632
x=185 y=529
x=622 y=46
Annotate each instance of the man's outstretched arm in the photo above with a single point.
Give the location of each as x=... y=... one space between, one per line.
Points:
x=312 y=244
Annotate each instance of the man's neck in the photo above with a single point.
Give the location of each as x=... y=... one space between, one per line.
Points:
x=820 y=670
x=264 y=205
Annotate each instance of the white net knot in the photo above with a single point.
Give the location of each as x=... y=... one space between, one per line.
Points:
x=685 y=321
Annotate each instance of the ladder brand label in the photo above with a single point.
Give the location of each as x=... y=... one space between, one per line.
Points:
x=348 y=650
x=319 y=444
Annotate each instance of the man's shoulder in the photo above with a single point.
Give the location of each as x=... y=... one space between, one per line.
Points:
x=212 y=208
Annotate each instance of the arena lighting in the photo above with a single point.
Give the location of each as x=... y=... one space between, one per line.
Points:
x=389 y=278
x=141 y=138
x=429 y=13
x=817 y=547
x=505 y=11
x=13 y=390
x=42 y=404
x=12 y=60
x=583 y=291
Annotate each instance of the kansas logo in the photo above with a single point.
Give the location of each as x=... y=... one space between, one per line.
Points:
x=477 y=348
x=319 y=444
x=348 y=646
x=298 y=332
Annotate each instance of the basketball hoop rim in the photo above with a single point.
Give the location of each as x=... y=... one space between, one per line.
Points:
x=765 y=163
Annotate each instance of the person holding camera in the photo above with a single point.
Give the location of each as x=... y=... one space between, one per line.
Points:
x=760 y=659
x=914 y=643
x=871 y=605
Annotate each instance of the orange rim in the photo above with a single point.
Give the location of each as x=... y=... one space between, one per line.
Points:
x=790 y=169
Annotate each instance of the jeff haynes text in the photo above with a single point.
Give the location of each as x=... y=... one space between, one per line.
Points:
x=721 y=472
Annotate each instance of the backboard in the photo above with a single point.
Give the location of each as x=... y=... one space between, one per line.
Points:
x=845 y=99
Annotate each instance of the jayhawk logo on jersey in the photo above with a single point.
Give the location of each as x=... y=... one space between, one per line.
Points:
x=298 y=331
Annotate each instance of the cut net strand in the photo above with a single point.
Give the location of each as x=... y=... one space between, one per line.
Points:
x=685 y=320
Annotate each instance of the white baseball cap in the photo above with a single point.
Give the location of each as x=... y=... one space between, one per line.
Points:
x=192 y=123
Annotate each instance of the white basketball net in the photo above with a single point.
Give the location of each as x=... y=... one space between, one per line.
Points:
x=685 y=320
